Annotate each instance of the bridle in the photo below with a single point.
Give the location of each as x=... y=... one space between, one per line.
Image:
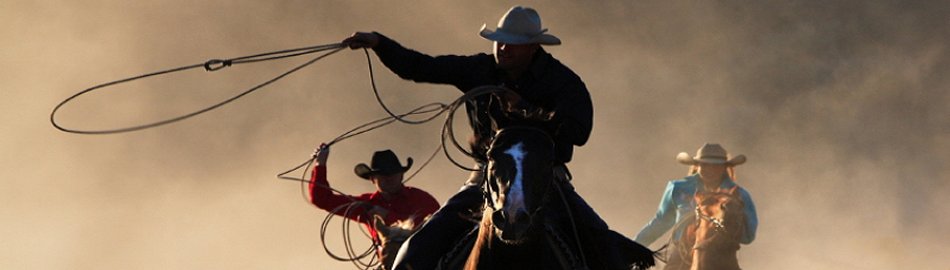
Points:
x=719 y=226
x=717 y=222
x=545 y=198
x=489 y=187
x=553 y=188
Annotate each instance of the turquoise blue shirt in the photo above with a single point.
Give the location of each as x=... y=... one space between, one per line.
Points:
x=677 y=203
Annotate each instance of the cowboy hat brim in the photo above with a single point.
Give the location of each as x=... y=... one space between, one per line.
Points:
x=686 y=159
x=364 y=171
x=508 y=38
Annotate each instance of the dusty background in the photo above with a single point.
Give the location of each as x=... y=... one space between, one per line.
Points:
x=841 y=108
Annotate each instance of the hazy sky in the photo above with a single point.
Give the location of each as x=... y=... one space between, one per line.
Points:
x=840 y=108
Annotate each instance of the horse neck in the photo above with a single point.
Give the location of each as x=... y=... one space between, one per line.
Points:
x=482 y=241
x=715 y=254
x=489 y=252
x=391 y=242
x=388 y=256
x=705 y=259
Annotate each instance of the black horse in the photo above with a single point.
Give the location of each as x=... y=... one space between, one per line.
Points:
x=527 y=221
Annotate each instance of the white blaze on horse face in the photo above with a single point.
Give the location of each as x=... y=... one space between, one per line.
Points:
x=514 y=201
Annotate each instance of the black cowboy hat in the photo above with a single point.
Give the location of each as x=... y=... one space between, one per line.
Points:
x=384 y=162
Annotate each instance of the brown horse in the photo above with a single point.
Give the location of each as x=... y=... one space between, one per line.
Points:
x=712 y=241
x=391 y=238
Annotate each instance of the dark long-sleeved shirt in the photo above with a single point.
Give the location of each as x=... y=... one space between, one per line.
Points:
x=547 y=84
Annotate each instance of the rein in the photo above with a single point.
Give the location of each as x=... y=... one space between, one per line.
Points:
x=565 y=255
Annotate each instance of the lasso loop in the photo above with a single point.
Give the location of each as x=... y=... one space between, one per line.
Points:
x=217 y=64
x=211 y=65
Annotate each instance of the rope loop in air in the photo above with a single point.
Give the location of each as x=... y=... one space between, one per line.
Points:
x=211 y=65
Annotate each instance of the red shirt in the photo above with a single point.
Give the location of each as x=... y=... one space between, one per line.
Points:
x=411 y=202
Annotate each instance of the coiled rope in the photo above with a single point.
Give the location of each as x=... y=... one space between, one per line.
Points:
x=436 y=109
x=359 y=258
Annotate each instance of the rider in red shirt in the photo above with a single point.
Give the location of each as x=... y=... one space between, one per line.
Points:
x=392 y=200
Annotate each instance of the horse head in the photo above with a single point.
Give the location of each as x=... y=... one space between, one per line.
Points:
x=520 y=177
x=391 y=238
x=720 y=224
x=516 y=231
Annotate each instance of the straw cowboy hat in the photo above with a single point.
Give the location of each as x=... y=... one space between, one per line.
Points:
x=520 y=25
x=710 y=153
x=384 y=162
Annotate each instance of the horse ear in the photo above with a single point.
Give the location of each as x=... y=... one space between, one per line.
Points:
x=380 y=225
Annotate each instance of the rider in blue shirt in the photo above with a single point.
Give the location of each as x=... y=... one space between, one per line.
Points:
x=711 y=169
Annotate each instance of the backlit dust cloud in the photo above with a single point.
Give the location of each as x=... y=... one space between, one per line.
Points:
x=840 y=107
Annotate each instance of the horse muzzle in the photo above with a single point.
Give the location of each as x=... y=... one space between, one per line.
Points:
x=511 y=230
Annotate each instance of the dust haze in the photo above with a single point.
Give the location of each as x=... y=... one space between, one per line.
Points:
x=840 y=108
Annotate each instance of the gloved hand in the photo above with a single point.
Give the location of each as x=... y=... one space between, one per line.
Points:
x=361 y=40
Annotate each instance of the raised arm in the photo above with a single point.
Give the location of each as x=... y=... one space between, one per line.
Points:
x=419 y=67
x=322 y=195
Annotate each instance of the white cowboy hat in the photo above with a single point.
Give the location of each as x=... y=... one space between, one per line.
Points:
x=710 y=153
x=520 y=25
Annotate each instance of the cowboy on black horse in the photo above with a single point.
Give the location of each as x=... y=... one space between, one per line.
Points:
x=538 y=82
